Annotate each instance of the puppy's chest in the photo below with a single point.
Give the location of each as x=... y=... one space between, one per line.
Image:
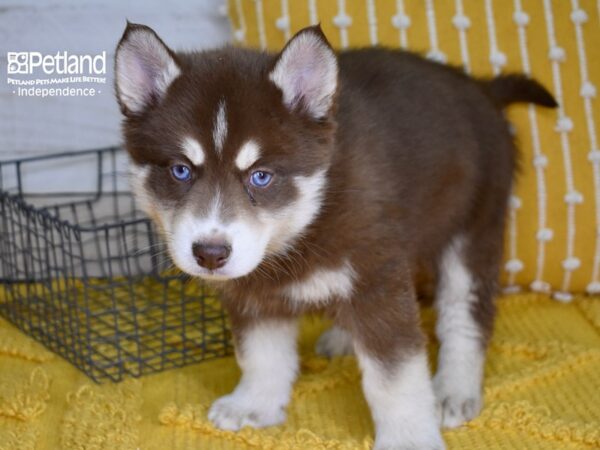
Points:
x=321 y=285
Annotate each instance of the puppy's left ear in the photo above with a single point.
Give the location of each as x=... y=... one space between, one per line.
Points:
x=306 y=72
x=144 y=69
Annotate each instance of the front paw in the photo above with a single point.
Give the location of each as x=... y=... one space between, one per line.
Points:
x=411 y=440
x=235 y=411
x=457 y=401
x=417 y=430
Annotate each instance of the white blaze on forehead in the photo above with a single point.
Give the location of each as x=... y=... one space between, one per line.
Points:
x=193 y=150
x=215 y=207
x=220 y=127
x=248 y=155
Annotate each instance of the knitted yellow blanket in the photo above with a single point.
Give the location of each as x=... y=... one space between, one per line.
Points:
x=542 y=391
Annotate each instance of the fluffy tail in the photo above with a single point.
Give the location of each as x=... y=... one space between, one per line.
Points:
x=517 y=88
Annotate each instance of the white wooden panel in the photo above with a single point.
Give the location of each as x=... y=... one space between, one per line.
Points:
x=34 y=125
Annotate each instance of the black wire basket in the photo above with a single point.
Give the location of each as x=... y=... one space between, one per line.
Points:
x=85 y=273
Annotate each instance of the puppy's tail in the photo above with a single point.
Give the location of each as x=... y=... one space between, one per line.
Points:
x=518 y=88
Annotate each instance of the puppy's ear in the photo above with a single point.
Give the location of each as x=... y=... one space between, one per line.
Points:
x=144 y=69
x=306 y=72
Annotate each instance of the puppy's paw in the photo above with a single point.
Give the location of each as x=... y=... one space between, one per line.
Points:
x=235 y=411
x=334 y=342
x=411 y=440
x=411 y=447
x=455 y=411
x=457 y=402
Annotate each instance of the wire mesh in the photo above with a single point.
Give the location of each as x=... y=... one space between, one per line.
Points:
x=85 y=273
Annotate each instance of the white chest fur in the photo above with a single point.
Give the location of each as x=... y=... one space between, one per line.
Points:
x=322 y=285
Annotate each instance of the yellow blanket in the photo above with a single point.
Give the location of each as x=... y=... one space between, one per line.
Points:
x=542 y=391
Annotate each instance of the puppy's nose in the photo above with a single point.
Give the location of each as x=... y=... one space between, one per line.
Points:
x=211 y=256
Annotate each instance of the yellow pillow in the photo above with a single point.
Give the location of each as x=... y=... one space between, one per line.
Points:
x=553 y=241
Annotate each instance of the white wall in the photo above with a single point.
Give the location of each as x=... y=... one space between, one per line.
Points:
x=30 y=126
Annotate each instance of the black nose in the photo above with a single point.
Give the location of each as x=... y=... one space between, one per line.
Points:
x=211 y=256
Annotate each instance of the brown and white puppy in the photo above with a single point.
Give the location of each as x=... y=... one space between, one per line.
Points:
x=309 y=180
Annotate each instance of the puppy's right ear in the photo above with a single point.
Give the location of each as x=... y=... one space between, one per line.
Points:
x=306 y=72
x=144 y=69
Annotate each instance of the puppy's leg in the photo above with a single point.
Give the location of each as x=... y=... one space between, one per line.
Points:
x=266 y=353
x=391 y=352
x=465 y=308
x=334 y=342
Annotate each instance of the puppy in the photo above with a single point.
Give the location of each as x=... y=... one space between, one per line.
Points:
x=314 y=180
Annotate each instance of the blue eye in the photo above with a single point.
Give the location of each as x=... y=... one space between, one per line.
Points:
x=260 y=178
x=181 y=172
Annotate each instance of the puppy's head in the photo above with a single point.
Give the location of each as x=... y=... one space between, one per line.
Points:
x=229 y=148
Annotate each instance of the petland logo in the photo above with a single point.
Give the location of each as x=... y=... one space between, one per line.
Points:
x=65 y=68
x=61 y=63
